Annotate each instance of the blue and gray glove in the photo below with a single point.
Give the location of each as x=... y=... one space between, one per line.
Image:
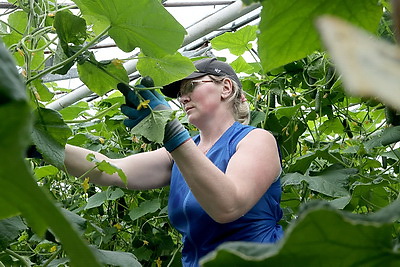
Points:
x=175 y=134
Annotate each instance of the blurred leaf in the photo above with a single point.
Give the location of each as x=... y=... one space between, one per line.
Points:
x=369 y=66
x=320 y=236
x=18 y=188
x=388 y=136
x=50 y=135
x=10 y=230
x=292 y=36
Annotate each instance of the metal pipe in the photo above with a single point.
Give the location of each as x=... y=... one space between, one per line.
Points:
x=196 y=3
x=6 y=5
x=196 y=31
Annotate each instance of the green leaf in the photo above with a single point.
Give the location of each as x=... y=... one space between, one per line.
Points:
x=73 y=111
x=292 y=36
x=370 y=194
x=43 y=171
x=256 y=117
x=145 y=24
x=7 y=208
x=50 y=135
x=117 y=258
x=330 y=182
x=18 y=188
x=286 y=111
x=165 y=70
x=77 y=222
x=237 y=42
x=240 y=65
x=99 y=198
x=303 y=162
x=10 y=230
x=96 y=200
x=321 y=236
x=107 y=167
x=388 y=136
x=44 y=93
x=331 y=126
x=70 y=28
x=60 y=56
x=153 y=126
x=146 y=207
x=102 y=77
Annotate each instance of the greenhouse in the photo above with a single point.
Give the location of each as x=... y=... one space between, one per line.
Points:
x=321 y=78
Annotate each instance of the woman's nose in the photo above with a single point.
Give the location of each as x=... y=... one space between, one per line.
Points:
x=184 y=98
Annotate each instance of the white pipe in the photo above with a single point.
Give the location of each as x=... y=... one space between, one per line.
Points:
x=196 y=3
x=217 y=20
x=194 y=32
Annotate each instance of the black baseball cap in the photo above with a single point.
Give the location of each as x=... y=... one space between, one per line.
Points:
x=205 y=66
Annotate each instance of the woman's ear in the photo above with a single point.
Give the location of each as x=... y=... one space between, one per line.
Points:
x=227 y=88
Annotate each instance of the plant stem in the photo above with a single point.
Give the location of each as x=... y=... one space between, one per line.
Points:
x=173 y=255
x=17 y=256
x=52 y=257
x=68 y=60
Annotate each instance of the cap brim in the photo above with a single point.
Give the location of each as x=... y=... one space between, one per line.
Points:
x=172 y=89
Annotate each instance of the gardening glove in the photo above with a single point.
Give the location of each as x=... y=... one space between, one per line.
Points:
x=136 y=110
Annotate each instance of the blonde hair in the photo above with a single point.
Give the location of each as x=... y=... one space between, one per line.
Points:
x=241 y=109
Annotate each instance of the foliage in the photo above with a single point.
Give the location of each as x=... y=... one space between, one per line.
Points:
x=339 y=151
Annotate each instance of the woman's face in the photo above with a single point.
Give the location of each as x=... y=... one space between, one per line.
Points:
x=200 y=98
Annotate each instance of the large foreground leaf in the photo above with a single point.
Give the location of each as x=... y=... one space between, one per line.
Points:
x=369 y=66
x=140 y=23
x=18 y=189
x=50 y=135
x=322 y=236
x=292 y=36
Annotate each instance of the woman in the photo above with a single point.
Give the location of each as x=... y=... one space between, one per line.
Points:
x=224 y=183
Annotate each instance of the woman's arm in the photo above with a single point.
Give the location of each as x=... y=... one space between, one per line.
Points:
x=146 y=170
x=250 y=172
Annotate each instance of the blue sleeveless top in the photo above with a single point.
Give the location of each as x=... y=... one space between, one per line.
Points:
x=200 y=233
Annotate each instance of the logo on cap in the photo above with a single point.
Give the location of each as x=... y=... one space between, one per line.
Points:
x=217 y=70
